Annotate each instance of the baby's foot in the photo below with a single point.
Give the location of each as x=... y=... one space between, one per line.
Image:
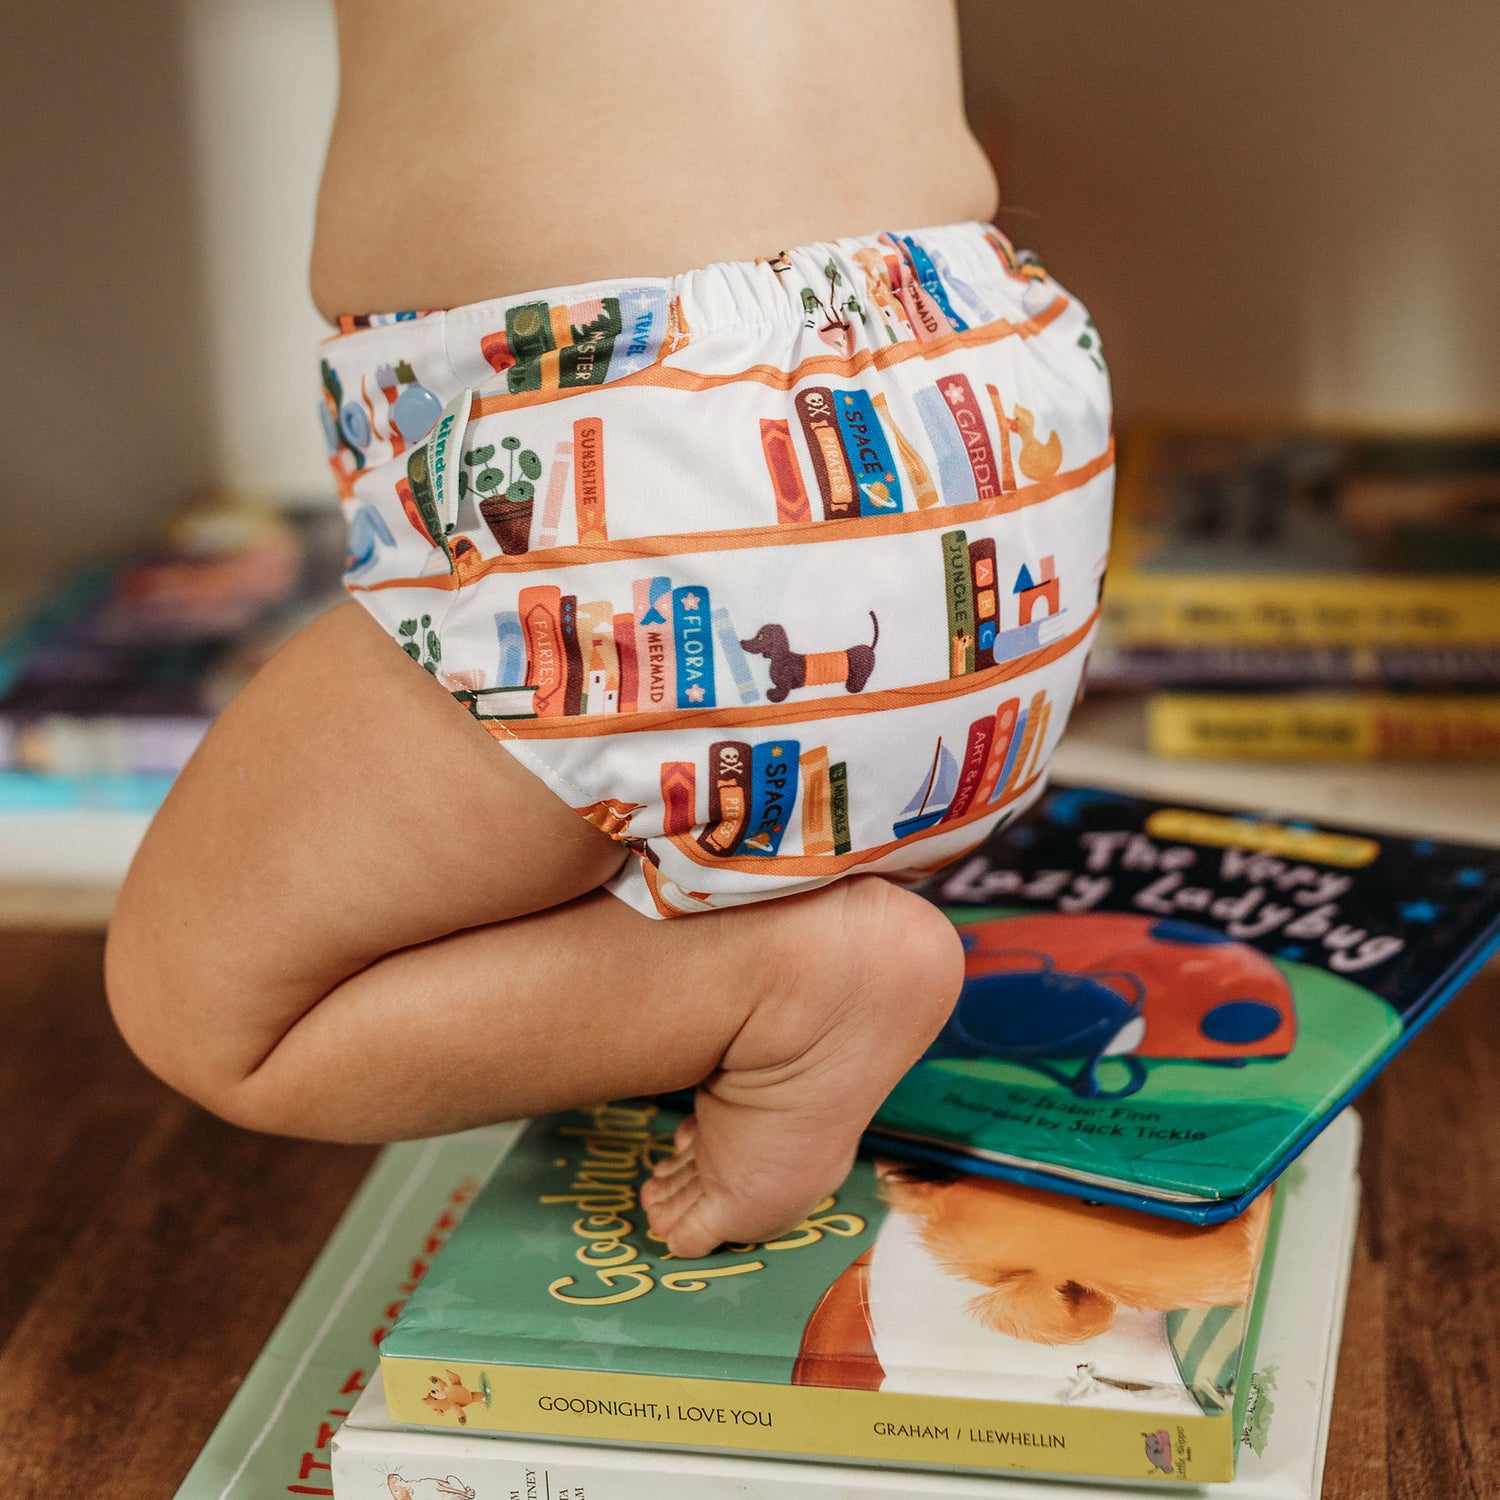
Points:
x=869 y=975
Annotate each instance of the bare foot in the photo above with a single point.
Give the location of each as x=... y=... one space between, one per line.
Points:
x=863 y=979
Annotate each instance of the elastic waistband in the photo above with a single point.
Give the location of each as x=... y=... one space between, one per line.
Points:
x=866 y=291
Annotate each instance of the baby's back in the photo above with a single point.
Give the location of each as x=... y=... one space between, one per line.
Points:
x=491 y=146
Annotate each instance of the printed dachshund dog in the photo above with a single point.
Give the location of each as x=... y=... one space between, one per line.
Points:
x=794 y=669
x=1053 y=1270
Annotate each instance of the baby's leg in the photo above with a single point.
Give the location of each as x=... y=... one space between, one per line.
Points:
x=357 y=917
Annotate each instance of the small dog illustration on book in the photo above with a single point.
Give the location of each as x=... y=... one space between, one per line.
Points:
x=795 y=669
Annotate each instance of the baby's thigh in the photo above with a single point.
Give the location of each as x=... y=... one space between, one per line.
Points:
x=342 y=807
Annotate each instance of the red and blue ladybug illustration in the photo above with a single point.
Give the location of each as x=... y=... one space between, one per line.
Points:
x=1057 y=989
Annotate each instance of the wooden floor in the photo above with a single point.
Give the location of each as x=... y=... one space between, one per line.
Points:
x=146 y=1251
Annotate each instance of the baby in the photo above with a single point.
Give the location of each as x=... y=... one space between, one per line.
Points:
x=673 y=591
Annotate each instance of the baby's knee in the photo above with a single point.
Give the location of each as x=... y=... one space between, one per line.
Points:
x=163 y=1006
x=878 y=943
x=914 y=937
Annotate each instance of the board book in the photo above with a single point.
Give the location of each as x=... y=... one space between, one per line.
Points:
x=931 y=1319
x=1280 y=668
x=1253 y=536
x=1164 y=1004
x=1283 y=1434
x=1325 y=726
x=118 y=674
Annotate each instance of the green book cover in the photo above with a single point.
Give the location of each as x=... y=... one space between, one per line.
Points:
x=1163 y=1004
x=917 y=1317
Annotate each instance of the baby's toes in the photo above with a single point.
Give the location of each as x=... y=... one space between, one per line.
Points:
x=668 y=1199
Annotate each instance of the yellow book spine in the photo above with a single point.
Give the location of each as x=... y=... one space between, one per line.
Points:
x=1028 y=738
x=874 y=1426
x=1325 y=726
x=1205 y=609
x=1038 y=742
x=817 y=802
x=924 y=491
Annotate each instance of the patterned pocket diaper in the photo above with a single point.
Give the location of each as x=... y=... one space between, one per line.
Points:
x=775 y=572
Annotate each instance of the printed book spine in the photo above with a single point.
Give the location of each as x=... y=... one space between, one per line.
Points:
x=960 y=602
x=817 y=802
x=106 y=744
x=1207 y=609
x=838 y=805
x=830 y=468
x=379 y=1461
x=34 y=792
x=572 y=655
x=1270 y=668
x=1325 y=726
x=728 y=796
x=857 y=1426
x=48 y=620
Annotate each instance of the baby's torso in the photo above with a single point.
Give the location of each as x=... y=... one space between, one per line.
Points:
x=488 y=148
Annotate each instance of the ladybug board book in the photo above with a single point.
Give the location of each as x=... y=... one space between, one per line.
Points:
x=1164 y=1004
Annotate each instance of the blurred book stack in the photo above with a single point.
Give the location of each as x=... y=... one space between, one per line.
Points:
x=107 y=687
x=1307 y=594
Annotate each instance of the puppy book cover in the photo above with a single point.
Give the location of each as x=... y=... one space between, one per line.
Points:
x=919 y=1316
x=1163 y=1004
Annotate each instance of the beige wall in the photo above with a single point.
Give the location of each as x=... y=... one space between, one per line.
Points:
x=1275 y=205
x=156 y=200
x=102 y=291
x=263 y=76
x=1269 y=205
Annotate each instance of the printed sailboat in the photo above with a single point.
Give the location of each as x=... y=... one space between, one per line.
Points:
x=932 y=797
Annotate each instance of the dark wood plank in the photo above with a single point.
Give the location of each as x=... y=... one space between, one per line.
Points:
x=155 y=1247
x=1433 y=1225
x=147 y=1250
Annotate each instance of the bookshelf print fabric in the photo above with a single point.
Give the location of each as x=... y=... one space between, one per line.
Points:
x=1163 y=1004
x=773 y=571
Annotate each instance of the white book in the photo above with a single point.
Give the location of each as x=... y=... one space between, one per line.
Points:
x=1282 y=1447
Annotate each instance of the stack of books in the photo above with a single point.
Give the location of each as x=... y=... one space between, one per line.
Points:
x=1101 y=1233
x=1307 y=594
x=107 y=687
